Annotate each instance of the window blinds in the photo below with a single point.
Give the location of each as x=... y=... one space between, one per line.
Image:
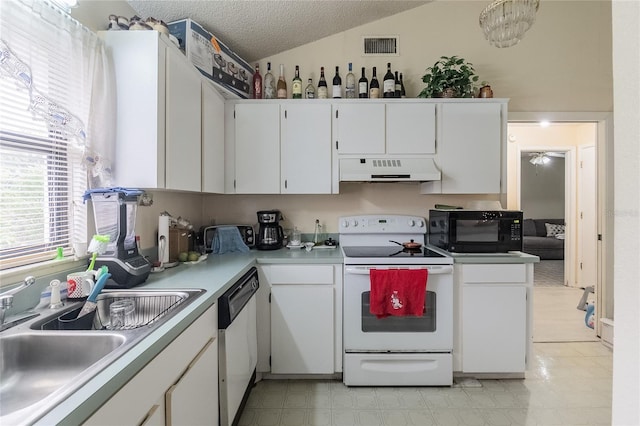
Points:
x=41 y=174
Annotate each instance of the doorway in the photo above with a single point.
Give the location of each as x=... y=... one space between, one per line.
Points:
x=552 y=186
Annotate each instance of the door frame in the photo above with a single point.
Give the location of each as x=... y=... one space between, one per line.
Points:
x=605 y=192
x=570 y=188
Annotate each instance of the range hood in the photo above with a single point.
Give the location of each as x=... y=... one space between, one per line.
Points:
x=388 y=170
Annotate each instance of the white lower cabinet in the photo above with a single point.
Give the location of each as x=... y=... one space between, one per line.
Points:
x=189 y=401
x=305 y=319
x=494 y=306
x=178 y=387
x=301 y=331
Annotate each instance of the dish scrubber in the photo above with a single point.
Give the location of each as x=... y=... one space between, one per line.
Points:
x=97 y=246
x=90 y=305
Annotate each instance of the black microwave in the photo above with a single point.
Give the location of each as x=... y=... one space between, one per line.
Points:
x=476 y=231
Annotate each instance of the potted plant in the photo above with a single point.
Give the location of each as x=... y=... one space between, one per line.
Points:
x=449 y=77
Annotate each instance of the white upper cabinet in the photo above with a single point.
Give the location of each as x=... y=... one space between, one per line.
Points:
x=158 y=134
x=183 y=124
x=469 y=148
x=213 y=155
x=360 y=128
x=411 y=128
x=385 y=128
x=278 y=147
x=305 y=148
x=257 y=148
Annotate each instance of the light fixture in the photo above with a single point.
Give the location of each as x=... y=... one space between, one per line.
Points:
x=539 y=158
x=504 y=22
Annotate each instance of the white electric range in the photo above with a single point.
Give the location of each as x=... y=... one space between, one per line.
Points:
x=394 y=350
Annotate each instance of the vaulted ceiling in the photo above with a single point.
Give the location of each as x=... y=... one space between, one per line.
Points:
x=257 y=29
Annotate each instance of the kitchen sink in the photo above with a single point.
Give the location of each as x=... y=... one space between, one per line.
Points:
x=34 y=366
x=41 y=365
x=151 y=307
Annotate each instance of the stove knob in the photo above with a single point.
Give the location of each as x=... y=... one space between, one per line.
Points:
x=354 y=222
x=411 y=223
x=345 y=223
x=420 y=224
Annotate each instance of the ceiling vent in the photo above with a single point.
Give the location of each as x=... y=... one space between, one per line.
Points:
x=381 y=46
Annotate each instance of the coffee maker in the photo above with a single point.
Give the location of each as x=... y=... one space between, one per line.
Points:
x=114 y=211
x=271 y=235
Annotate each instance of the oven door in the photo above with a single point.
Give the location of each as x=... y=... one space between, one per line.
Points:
x=432 y=332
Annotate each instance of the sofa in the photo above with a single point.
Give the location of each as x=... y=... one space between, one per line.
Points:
x=544 y=238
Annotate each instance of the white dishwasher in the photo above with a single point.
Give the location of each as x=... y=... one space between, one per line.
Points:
x=237 y=347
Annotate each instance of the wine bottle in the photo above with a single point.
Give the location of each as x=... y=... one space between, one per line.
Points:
x=282 y=85
x=388 y=83
x=296 y=86
x=350 y=84
x=374 y=87
x=337 y=85
x=310 y=91
x=257 y=83
x=403 y=94
x=363 y=86
x=397 y=86
x=269 y=84
x=323 y=91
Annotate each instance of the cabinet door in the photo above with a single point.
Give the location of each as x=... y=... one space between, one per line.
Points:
x=183 y=124
x=360 y=128
x=140 y=108
x=193 y=400
x=302 y=332
x=411 y=128
x=469 y=148
x=306 y=149
x=494 y=328
x=212 y=140
x=257 y=142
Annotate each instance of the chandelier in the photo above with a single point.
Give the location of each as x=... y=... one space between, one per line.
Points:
x=504 y=22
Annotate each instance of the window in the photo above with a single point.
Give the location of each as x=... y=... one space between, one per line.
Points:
x=48 y=66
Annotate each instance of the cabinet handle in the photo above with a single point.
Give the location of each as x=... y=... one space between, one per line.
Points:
x=285 y=184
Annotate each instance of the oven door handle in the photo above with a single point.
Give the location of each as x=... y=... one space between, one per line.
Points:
x=433 y=270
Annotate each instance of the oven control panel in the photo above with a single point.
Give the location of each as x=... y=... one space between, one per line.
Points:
x=381 y=224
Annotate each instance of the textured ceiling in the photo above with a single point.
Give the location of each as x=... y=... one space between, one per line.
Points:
x=257 y=29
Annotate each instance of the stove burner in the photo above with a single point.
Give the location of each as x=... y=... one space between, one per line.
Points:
x=388 y=251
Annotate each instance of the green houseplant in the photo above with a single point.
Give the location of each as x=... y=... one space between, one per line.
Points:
x=449 y=77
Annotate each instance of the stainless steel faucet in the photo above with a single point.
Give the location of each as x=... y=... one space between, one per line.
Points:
x=6 y=298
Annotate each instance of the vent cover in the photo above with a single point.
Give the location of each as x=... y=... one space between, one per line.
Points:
x=386 y=163
x=377 y=46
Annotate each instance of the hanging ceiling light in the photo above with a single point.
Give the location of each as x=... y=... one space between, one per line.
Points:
x=539 y=158
x=504 y=22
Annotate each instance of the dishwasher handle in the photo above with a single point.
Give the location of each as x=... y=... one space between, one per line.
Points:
x=433 y=270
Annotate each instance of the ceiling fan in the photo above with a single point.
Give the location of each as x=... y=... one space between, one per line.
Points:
x=540 y=158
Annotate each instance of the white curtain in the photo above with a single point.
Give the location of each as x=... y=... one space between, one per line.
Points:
x=31 y=27
x=63 y=92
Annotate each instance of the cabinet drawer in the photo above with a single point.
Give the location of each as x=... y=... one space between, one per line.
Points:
x=302 y=274
x=495 y=273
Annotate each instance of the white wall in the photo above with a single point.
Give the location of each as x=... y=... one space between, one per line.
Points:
x=626 y=212
x=562 y=64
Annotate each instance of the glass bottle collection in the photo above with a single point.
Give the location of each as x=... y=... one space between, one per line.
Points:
x=392 y=85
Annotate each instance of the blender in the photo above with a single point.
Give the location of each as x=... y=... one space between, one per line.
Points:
x=271 y=235
x=115 y=215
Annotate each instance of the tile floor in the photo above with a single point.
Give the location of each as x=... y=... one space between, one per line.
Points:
x=567 y=384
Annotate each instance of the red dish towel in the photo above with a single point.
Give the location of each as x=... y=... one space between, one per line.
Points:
x=397 y=292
